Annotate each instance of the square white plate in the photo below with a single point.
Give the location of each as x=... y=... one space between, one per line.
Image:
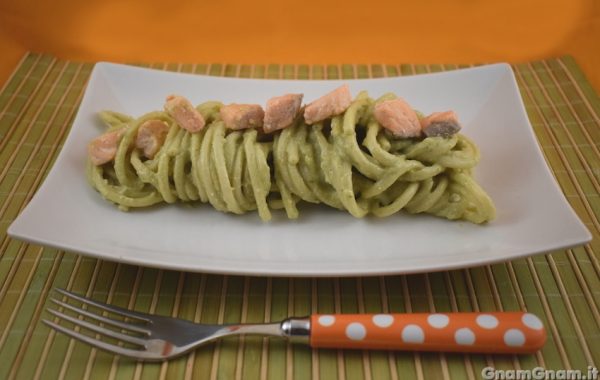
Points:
x=533 y=216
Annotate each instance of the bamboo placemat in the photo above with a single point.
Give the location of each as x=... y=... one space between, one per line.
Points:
x=37 y=106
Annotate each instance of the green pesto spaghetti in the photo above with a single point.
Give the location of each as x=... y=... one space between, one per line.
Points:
x=347 y=161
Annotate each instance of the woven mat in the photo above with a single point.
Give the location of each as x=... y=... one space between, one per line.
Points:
x=37 y=107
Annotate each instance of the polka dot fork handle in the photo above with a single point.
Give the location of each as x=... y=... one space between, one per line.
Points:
x=503 y=332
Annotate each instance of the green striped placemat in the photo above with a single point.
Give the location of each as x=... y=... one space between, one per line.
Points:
x=37 y=106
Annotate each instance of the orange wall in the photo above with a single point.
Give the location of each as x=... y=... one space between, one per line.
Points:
x=10 y=55
x=308 y=31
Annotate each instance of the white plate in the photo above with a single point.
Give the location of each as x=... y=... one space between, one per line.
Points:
x=533 y=215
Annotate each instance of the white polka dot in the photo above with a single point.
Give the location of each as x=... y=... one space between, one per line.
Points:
x=464 y=336
x=356 y=331
x=439 y=321
x=383 y=320
x=326 y=320
x=514 y=338
x=487 y=321
x=532 y=321
x=413 y=334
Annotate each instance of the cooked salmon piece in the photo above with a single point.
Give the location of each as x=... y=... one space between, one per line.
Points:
x=103 y=148
x=444 y=124
x=151 y=136
x=184 y=113
x=398 y=117
x=281 y=111
x=242 y=116
x=328 y=105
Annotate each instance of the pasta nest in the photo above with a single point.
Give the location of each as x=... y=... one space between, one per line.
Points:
x=348 y=162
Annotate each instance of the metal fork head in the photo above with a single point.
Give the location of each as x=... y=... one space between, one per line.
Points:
x=148 y=337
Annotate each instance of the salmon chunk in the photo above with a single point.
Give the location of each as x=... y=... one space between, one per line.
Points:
x=151 y=136
x=444 y=124
x=103 y=148
x=184 y=113
x=328 y=105
x=398 y=117
x=281 y=111
x=242 y=116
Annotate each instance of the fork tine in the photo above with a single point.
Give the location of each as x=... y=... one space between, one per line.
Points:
x=100 y=318
x=98 y=329
x=113 y=309
x=138 y=354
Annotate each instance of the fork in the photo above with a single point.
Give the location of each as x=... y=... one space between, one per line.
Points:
x=155 y=338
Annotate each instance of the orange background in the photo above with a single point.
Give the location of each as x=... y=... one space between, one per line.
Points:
x=309 y=31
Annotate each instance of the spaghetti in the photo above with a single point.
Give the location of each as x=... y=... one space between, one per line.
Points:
x=348 y=162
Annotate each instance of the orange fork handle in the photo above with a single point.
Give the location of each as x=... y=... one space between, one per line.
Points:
x=503 y=332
